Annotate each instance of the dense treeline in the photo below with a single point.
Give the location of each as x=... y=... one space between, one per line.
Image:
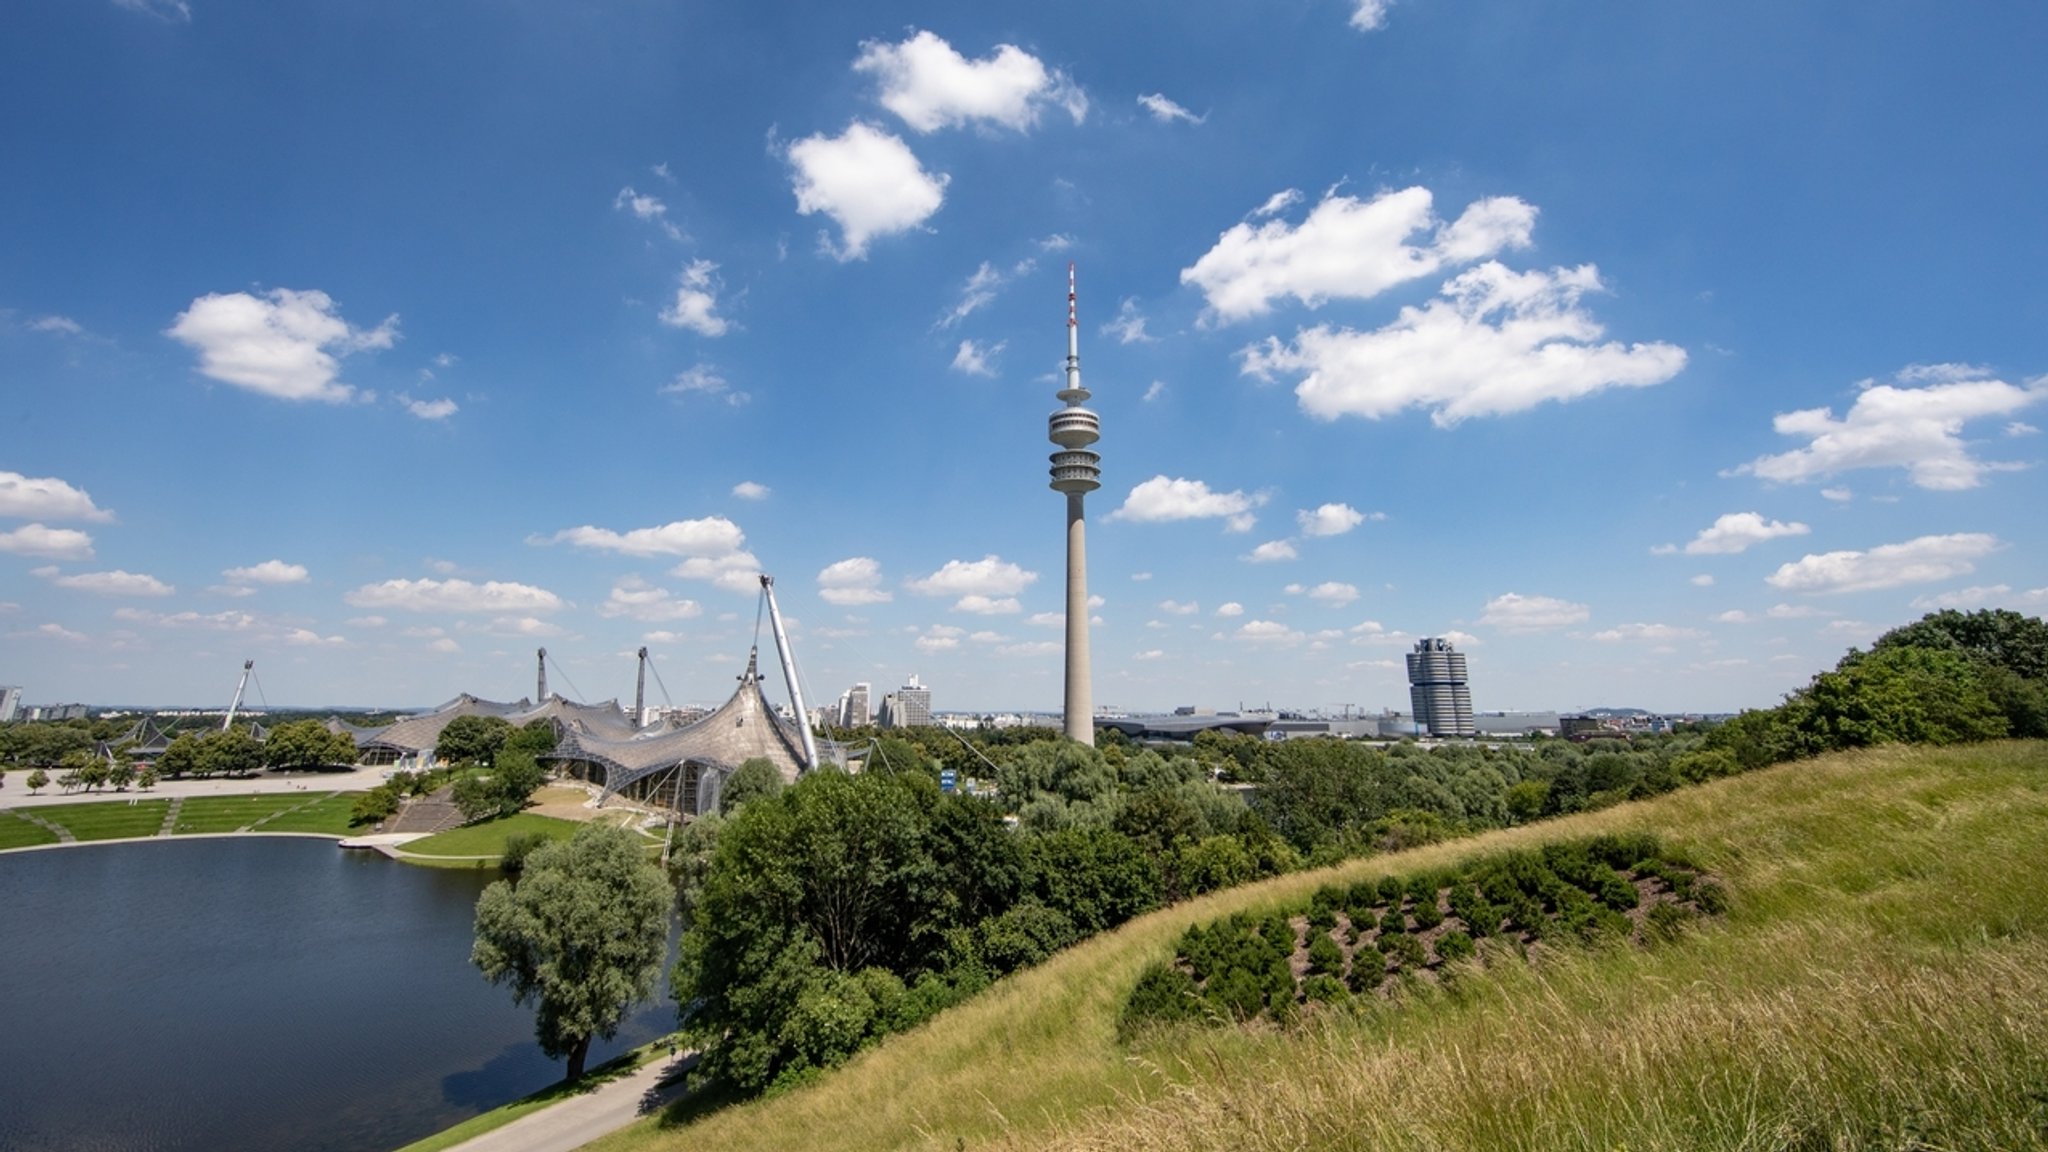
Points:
x=825 y=915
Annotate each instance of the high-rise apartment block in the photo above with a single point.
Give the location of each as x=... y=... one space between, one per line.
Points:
x=10 y=703
x=1437 y=689
x=853 y=707
x=907 y=707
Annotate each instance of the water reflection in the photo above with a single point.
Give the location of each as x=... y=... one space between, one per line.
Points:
x=251 y=994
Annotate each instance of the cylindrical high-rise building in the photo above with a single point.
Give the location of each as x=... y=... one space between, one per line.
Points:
x=1437 y=689
x=1076 y=471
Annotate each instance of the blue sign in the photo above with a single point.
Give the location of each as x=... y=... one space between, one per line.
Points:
x=948 y=780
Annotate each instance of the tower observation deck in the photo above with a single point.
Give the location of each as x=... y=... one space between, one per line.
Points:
x=1076 y=471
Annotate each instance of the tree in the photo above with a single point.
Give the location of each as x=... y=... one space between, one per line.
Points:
x=182 y=756
x=306 y=744
x=37 y=781
x=121 y=773
x=1994 y=636
x=472 y=740
x=581 y=937
x=146 y=778
x=1901 y=695
x=499 y=791
x=753 y=778
x=230 y=753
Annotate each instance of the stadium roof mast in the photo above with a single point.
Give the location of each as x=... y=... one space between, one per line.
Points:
x=1076 y=471
x=640 y=693
x=229 y=721
x=540 y=691
x=796 y=692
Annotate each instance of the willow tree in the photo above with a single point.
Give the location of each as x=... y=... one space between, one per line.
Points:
x=581 y=936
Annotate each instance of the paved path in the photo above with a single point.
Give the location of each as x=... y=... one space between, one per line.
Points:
x=572 y=1123
x=14 y=791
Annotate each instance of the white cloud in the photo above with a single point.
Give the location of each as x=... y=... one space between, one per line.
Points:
x=1163 y=499
x=1735 y=532
x=1348 y=249
x=529 y=626
x=989 y=605
x=61 y=325
x=1995 y=596
x=1370 y=15
x=1032 y=648
x=429 y=409
x=867 y=181
x=368 y=622
x=283 y=344
x=46 y=498
x=1838 y=495
x=307 y=638
x=1273 y=551
x=1268 y=632
x=115 y=583
x=1495 y=342
x=939 y=638
x=1167 y=111
x=1460 y=639
x=748 y=490
x=1277 y=203
x=1651 y=633
x=1333 y=593
x=445 y=644
x=977 y=293
x=975 y=360
x=228 y=621
x=2021 y=428
x=696 y=301
x=502 y=597
x=1918 y=429
x=636 y=599
x=1329 y=520
x=1129 y=326
x=49 y=543
x=268 y=572
x=1157 y=389
x=707 y=537
x=1735 y=616
x=855 y=580
x=1919 y=561
x=987 y=586
x=1793 y=612
x=647 y=208
x=54 y=632
x=931 y=86
x=704 y=380
x=169 y=11
x=1176 y=608
x=1047 y=620
x=1703 y=580
x=1513 y=612
x=733 y=571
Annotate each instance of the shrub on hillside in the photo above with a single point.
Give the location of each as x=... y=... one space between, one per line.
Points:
x=1325 y=956
x=1454 y=946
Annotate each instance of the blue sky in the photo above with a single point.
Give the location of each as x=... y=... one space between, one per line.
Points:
x=1655 y=352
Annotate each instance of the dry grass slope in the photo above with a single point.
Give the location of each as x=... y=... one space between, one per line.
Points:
x=1877 y=983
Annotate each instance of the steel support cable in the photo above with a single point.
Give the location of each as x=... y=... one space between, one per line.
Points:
x=560 y=671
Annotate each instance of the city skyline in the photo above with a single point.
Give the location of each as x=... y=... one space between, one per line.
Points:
x=1651 y=357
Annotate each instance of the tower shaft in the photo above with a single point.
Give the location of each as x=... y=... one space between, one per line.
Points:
x=1080 y=695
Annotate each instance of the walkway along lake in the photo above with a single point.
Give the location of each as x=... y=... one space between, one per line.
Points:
x=254 y=994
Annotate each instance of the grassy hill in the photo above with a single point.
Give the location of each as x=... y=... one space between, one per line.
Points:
x=1878 y=982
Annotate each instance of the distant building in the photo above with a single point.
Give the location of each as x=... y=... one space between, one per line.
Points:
x=1437 y=689
x=908 y=707
x=1515 y=723
x=853 y=707
x=1583 y=727
x=10 y=702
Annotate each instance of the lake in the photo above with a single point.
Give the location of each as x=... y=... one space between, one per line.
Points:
x=252 y=993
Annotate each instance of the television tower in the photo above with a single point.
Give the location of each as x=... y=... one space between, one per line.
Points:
x=1076 y=471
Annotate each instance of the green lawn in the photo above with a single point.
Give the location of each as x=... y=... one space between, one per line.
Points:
x=232 y=813
x=1876 y=984
x=327 y=815
x=108 y=819
x=488 y=838
x=18 y=833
